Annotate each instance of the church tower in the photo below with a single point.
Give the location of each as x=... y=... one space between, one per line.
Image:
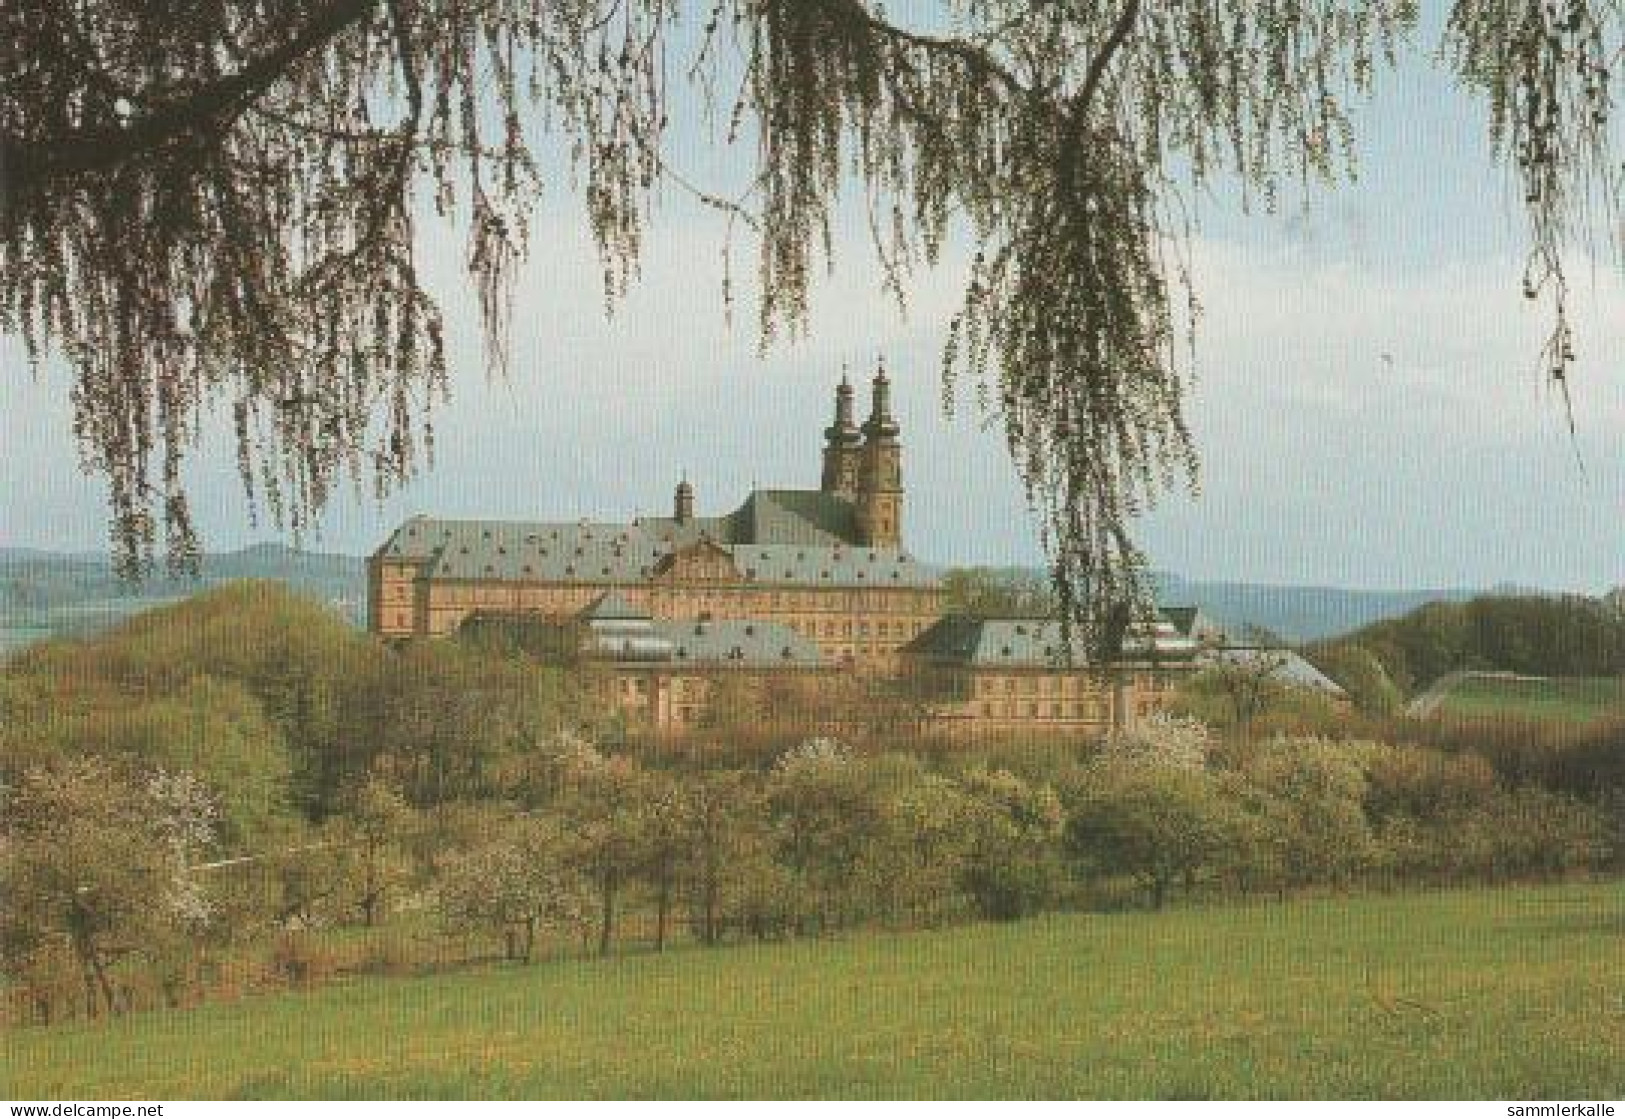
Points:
x=683 y=504
x=842 y=447
x=880 y=473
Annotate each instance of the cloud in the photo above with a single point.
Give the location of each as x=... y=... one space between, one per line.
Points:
x=1322 y=462
x=1451 y=463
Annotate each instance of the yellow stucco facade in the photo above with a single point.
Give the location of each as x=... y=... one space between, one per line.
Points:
x=819 y=579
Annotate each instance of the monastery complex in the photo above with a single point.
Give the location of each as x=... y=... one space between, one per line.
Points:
x=794 y=585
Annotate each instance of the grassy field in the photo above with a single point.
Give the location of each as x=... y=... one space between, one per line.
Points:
x=1574 y=699
x=1513 y=993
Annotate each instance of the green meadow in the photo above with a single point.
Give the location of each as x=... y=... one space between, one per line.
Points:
x=1484 y=993
x=1571 y=699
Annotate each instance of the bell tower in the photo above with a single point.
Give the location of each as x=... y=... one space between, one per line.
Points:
x=683 y=503
x=842 y=447
x=880 y=472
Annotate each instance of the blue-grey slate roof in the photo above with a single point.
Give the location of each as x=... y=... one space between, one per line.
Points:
x=1028 y=643
x=788 y=537
x=1282 y=664
x=620 y=632
x=745 y=644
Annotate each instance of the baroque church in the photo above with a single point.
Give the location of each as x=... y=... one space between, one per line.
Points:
x=794 y=584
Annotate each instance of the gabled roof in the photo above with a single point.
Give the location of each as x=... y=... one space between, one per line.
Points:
x=1192 y=622
x=988 y=641
x=1289 y=667
x=610 y=606
x=740 y=643
x=1029 y=643
x=798 y=517
x=733 y=643
x=783 y=537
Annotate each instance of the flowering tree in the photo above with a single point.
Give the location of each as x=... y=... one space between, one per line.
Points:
x=1160 y=740
x=518 y=879
x=97 y=860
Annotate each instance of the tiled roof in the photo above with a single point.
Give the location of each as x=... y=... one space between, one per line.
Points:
x=1288 y=666
x=741 y=643
x=786 y=537
x=620 y=632
x=1027 y=643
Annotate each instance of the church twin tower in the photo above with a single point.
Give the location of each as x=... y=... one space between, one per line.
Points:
x=865 y=465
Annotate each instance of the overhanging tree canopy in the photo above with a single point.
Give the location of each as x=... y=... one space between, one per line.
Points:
x=211 y=203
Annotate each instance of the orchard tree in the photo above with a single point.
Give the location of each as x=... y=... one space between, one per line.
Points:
x=516 y=878
x=607 y=812
x=369 y=835
x=216 y=206
x=1240 y=685
x=96 y=857
x=1161 y=825
x=728 y=847
x=666 y=821
x=1013 y=867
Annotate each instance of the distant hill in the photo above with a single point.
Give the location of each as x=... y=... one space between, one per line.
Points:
x=1298 y=614
x=57 y=591
x=45 y=593
x=1526 y=635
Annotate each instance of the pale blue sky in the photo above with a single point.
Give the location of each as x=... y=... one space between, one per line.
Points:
x=1322 y=463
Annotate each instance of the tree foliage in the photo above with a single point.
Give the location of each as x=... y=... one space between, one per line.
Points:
x=96 y=858
x=1568 y=635
x=216 y=205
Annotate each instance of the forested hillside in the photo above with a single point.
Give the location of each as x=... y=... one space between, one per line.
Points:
x=1529 y=635
x=43 y=594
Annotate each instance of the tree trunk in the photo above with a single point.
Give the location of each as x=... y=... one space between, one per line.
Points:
x=103 y=982
x=606 y=928
x=711 y=905
x=662 y=910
